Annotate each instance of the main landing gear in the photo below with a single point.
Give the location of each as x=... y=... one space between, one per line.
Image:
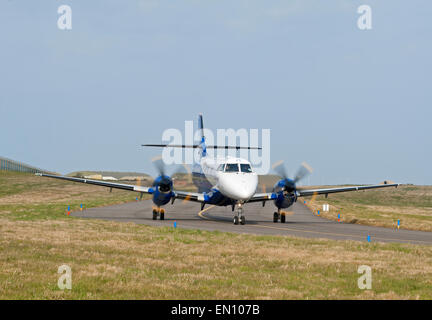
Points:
x=239 y=217
x=158 y=212
x=279 y=215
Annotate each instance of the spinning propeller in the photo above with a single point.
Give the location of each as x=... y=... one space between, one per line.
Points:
x=302 y=172
x=165 y=178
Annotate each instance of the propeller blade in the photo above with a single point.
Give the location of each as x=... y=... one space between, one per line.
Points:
x=279 y=168
x=302 y=172
x=182 y=172
x=189 y=172
x=159 y=164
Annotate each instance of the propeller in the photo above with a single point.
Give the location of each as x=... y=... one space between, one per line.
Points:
x=163 y=172
x=279 y=168
x=302 y=172
x=159 y=164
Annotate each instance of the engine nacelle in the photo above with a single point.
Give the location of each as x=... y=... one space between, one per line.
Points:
x=285 y=190
x=162 y=190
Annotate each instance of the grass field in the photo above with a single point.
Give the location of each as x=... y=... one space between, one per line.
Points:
x=127 y=261
x=412 y=205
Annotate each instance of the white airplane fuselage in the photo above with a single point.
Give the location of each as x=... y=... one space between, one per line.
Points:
x=220 y=174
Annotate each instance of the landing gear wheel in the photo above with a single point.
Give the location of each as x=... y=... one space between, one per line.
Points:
x=242 y=220
x=275 y=217
x=236 y=220
x=154 y=214
x=162 y=215
x=282 y=218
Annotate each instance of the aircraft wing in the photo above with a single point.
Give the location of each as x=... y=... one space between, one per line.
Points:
x=190 y=196
x=326 y=191
x=257 y=197
x=114 y=185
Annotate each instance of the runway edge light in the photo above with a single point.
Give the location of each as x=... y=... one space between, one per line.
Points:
x=368 y=238
x=398 y=224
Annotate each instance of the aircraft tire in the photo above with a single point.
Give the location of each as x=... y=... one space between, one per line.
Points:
x=242 y=220
x=162 y=215
x=282 y=218
x=154 y=214
x=275 y=217
x=236 y=220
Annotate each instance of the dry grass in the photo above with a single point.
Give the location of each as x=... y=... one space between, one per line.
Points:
x=115 y=260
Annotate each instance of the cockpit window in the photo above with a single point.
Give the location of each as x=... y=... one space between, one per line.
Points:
x=245 y=167
x=221 y=167
x=231 y=167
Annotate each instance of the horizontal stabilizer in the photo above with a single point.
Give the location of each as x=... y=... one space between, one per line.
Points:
x=197 y=145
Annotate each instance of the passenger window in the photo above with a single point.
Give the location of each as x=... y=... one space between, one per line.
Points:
x=231 y=167
x=245 y=167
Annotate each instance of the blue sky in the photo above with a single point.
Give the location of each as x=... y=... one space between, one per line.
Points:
x=355 y=105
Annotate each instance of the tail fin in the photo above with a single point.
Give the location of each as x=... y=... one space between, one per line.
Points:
x=202 y=144
x=201 y=126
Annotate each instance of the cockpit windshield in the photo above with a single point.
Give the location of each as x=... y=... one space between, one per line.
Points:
x=245 y=167
x=231 y=167
x=221 y=167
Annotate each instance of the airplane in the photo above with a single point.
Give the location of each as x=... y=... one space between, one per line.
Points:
x=223 y=181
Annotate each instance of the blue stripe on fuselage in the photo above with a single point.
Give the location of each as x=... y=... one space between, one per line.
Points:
x=218 y=199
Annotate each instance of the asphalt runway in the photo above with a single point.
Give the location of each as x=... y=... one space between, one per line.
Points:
x=300 y=221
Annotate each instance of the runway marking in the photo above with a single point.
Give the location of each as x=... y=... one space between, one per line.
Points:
x=202 y=211
x=200 y=214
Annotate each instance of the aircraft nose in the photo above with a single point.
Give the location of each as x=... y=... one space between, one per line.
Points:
x=238 y=187
x=244 y=190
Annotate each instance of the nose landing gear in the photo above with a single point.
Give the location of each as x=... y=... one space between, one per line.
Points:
x=239 y=217
x=158 y=212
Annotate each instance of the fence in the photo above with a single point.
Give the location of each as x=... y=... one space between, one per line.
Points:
x=12 y=165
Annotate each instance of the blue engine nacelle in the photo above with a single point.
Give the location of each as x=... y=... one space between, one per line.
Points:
x=162 y=190
x=285 y=191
